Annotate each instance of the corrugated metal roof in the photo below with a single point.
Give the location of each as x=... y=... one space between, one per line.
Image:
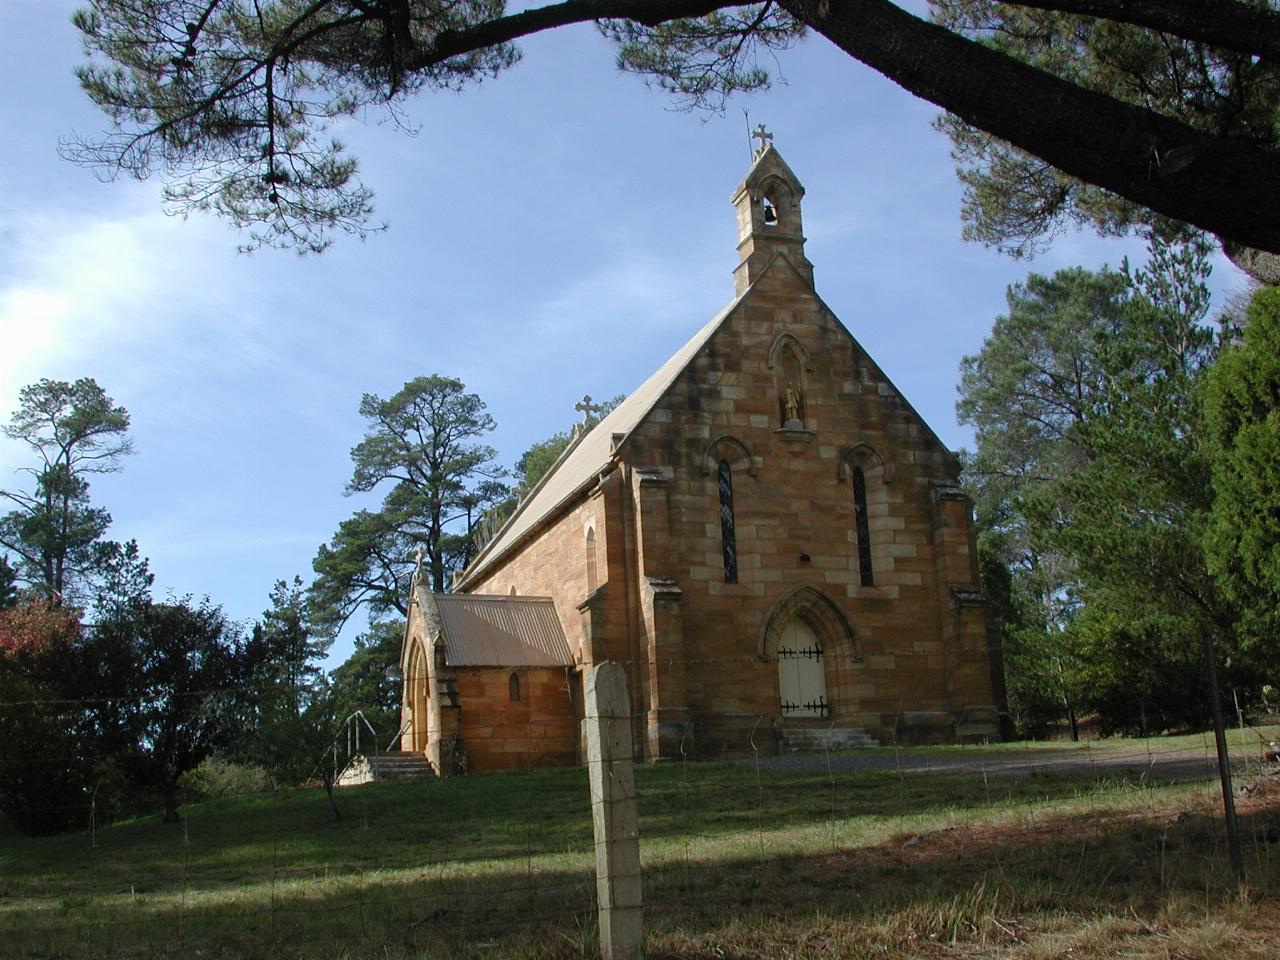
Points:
x=496 y=631
x=582 y=461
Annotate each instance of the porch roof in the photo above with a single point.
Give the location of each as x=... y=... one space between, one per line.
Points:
x=495 y=631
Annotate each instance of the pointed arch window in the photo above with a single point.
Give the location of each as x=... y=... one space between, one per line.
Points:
x=513 y=688
x=728 y=540
x=593 y=575
x=863 y=528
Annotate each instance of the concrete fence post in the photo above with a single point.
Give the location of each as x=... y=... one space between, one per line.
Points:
x=613 y=813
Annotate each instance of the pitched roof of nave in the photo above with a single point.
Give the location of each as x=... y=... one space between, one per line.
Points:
x=580 y=464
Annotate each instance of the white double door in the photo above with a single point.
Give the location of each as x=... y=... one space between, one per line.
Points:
x=802 y=678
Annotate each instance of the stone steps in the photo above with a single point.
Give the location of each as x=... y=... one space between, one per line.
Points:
x=400 y=765
x=383 y=767
x=822 y=739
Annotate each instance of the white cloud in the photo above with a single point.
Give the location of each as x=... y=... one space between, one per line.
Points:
x=631 y=291
x=79 y=291
x=148 y=305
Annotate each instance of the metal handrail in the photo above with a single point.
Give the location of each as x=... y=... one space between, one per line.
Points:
x=354 y=729
x=399 y=733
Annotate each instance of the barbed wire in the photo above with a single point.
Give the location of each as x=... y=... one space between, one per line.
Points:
x=711 y=836
x=756 y=657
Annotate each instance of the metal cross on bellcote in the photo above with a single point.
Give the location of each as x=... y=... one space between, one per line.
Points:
x=588 y=408
x=764 y=136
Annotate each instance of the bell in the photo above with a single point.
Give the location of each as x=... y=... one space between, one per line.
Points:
x=770 y=215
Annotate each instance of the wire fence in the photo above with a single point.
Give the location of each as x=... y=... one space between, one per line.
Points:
x=972 y=844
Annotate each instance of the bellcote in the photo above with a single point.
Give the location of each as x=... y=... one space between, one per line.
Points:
x=768 y=205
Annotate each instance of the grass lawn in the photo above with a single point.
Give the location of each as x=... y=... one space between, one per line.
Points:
x=1247 y=742
x=738 y=862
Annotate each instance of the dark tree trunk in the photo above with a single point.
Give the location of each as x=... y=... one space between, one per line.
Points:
x=169 y=793
x=1230 y=26
x=333 y=801
x=1224 y=759
x=1227 y=187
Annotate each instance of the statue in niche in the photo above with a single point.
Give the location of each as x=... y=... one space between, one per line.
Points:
x=792 y=405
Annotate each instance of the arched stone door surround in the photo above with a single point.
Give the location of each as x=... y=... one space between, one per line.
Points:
x=416 y=688
x=822 y=623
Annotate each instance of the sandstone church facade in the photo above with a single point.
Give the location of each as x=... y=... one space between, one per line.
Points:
x=764 y=533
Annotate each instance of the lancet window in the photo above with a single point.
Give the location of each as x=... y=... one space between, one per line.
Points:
x=863 y=528
x=728 y=540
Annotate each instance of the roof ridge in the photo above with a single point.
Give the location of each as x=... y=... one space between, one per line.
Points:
x=631 y=411
x=505 y=597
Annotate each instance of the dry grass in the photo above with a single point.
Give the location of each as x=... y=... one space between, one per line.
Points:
x=739 y=863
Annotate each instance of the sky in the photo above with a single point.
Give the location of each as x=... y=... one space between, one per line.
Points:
x=555 y=232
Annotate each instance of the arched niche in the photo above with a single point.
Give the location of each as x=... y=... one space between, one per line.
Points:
x=729 y=449
x=820 y=614
x=789 y=341
x=790 y=363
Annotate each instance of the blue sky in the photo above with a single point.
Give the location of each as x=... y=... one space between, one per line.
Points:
x=558 y=231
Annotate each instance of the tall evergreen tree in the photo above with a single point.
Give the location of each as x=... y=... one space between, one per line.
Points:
x=74 y=431
x=422 y=447
x=292 y=648
x=8 y=584
x=366 y=681
x=1028 y=394
x=1116 y=490
x=1243 y=443
x=1142 y=502
x=287 y=723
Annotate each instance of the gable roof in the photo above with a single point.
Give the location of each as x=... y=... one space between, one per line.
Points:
x=583 y=460
x=497 y=631
x=579 y=466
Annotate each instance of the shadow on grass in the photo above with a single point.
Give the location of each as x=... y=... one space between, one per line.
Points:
x=950 y=883
x=480 y=817
x=501 y=865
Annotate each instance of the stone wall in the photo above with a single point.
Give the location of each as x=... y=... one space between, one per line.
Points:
x=554 y=564
x=539 y=730
x=915 y=666
x=906 y=658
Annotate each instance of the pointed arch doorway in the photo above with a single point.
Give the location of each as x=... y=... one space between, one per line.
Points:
x=802 y=675
x=417 y=690
x=812 y=647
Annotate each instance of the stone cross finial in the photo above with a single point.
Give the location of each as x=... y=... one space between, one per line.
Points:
x=588 y=408
x=764 y=136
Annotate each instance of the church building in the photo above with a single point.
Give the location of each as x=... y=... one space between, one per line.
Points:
x=764 y=534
